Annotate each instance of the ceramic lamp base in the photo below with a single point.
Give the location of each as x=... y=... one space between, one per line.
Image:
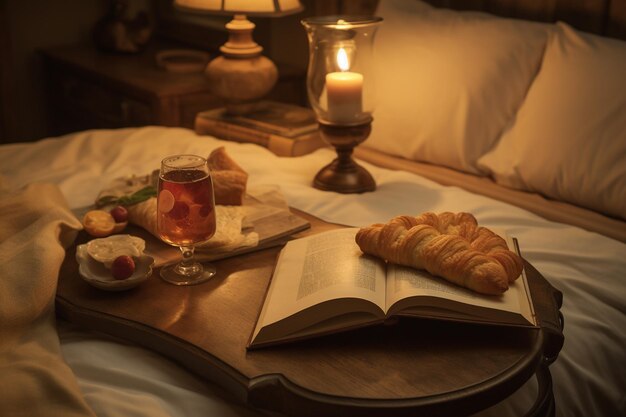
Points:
x=241 y=76
x=344 y=175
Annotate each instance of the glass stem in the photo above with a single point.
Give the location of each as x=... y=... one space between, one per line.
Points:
x=188 y=266
x=187 y=256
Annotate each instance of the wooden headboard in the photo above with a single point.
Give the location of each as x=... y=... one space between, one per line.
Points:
x=603 y=17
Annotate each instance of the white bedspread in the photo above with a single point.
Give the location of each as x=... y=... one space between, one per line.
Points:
x=119 y=379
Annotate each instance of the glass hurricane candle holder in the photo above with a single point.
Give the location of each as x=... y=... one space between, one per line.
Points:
x=340 y=88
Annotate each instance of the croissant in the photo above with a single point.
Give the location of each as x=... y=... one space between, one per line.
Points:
x=449 y=245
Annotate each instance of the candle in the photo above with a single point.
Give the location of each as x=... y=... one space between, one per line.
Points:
x=344 y=92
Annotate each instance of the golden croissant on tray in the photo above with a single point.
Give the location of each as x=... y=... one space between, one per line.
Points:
x=449 y=245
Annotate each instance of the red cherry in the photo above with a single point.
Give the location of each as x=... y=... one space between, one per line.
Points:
x=122 y=267
x=179 y=211
x=120 y=214
x=205 y=210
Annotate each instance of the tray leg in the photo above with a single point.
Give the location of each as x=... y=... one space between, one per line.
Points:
x=544 y=405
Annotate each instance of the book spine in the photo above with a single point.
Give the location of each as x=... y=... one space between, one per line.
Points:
x=299 y=146
x=279 y=145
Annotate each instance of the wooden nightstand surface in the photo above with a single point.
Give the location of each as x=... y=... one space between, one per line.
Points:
x=90 y=89
x=138 y=73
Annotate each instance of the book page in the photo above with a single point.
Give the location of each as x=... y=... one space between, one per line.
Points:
x=319 y=268
x=403 y=282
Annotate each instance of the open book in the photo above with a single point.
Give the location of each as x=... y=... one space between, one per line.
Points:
x=324 y=283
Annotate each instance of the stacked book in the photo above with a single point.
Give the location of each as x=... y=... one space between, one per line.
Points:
x=285 y=129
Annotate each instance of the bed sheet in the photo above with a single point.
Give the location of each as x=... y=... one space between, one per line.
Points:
x=120 y=379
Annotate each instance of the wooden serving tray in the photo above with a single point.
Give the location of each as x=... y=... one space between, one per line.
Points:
x=415 y=366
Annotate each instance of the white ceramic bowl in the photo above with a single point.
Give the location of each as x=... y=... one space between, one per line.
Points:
x=96 y=274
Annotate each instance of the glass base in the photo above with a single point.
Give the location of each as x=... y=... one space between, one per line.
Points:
x=190 y=274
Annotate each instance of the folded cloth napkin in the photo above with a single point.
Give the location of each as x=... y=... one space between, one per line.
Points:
x=229 y=233
x=236 y=226
x=35 y=228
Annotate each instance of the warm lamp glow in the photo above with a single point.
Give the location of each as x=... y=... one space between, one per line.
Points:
x=248 y=7
x=345 y=92
x=342 y=60
x=339 y=85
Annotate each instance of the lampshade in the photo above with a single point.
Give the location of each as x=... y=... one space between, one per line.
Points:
x=247 y=7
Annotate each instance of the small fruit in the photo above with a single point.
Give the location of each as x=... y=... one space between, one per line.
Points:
x=98 y=223
x=205 y=210
x=166 y=201
x=179 y=211
x=120 y=214
x=123 y=267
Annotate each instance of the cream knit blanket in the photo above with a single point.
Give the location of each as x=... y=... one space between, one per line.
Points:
x=35 y=228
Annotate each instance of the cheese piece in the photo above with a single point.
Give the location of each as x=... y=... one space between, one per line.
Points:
x=105 y=250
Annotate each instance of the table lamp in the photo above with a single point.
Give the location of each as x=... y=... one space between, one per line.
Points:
x=241 y=75
x=340 y=88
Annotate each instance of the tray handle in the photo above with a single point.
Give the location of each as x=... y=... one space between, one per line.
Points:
x=547 y=302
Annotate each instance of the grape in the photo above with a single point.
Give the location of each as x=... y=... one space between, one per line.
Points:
x=122 y=267
x=120 y=214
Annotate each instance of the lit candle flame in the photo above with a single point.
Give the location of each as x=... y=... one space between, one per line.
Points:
x=342 y=60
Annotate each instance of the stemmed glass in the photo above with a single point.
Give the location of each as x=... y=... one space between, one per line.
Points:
x=186 y=215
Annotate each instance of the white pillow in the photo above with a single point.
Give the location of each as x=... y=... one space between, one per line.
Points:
x=448 y=82
x=569 y=139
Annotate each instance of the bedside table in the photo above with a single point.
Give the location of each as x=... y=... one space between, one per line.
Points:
x=90 y=89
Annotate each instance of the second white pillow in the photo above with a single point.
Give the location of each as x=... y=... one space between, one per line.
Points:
x=569 y=139
x=449 y=82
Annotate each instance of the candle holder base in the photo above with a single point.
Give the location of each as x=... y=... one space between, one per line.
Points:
x=343 y=174
x=333 y=177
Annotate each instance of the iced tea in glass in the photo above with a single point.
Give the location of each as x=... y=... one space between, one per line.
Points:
x=186 y=215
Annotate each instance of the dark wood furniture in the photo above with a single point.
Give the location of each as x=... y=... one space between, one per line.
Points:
x=91 y=89
x=414 y=367
x=7 y=88
x=602 y=17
